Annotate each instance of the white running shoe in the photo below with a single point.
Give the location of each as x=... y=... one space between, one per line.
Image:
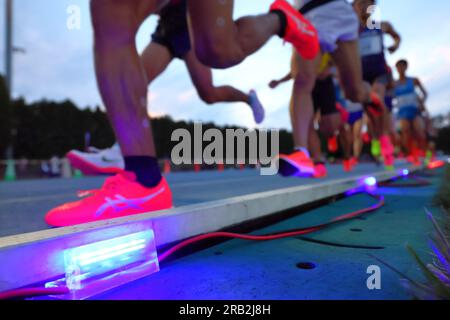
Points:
x=257 y=108
x=108 y=161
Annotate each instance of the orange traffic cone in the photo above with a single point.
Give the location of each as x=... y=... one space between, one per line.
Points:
x=220 y=167
x=197 y=168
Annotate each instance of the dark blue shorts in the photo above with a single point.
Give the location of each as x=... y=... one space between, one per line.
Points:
x=178 y=44
x=172 y=31
x=354 y=117
x=388 y=101
x=408 y=113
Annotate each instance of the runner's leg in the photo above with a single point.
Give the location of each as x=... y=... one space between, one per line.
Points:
x=357 y=138
x=348 y=62
x=155 y=59
x=302 y=111
x=120 y=76
x=203 y=81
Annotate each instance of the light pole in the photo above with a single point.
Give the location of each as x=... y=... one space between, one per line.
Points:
x=8 y=44
x=10 y=171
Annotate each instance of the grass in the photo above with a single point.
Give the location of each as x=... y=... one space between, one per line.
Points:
x=437 y=273
x=443 y=196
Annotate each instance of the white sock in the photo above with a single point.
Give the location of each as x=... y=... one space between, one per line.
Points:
x=304 y=150
x=257 y=108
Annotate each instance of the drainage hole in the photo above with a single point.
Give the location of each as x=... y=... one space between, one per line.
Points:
x=306 y=265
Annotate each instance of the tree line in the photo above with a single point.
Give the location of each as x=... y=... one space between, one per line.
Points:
x=43 y=129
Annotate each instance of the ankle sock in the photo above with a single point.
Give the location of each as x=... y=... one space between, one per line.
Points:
x=304 y=150
x=145 y=168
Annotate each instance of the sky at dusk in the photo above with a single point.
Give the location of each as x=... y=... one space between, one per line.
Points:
x=58 y=62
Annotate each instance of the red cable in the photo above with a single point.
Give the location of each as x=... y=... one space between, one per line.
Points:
x=286 y=234
x=32 y=292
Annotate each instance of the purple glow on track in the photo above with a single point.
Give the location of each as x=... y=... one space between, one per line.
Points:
x=370 y=182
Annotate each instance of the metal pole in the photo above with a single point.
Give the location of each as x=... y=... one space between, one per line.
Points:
x=8 y=44
x=8 y=64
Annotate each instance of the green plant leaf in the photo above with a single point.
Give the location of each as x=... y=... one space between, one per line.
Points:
x=441 y=290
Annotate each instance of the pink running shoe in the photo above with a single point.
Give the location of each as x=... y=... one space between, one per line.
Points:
x=297 y=164
x=333 y=145
x=347 y=165
x=120 y=196
x=299 y=31
x=320 y=171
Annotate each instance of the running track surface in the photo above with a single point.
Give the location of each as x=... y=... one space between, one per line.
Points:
x=23 y=204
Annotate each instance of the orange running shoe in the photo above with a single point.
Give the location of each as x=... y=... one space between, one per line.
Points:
x=347 y=165
x=299 y=31
x=120 y=196
x=297 y=164
x=410 y=158
x=387 y=151
x=366 y=138
x=320 y=171
x=333 y=144
x=354 y=162
x=375 y=106
x=345 y=115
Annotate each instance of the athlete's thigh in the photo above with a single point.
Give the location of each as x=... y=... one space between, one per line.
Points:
x=147 y=7
x=155 y=59
x=122 y=14
x=211 y=23
x=200 y=74
x=348 y=62
x=357 y=128
x=303 y=70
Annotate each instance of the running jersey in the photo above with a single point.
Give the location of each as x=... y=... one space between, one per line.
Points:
x=324 y=63
x=371 y=47
x=405 y=94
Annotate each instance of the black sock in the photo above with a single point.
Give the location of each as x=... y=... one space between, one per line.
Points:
x=146 y=169
x=283 y=22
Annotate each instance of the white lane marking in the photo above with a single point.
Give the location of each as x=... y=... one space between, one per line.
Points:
x=73 y=194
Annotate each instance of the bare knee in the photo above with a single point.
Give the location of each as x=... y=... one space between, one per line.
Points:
x=218 y=53
x=208 y=95
x=304 y=81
